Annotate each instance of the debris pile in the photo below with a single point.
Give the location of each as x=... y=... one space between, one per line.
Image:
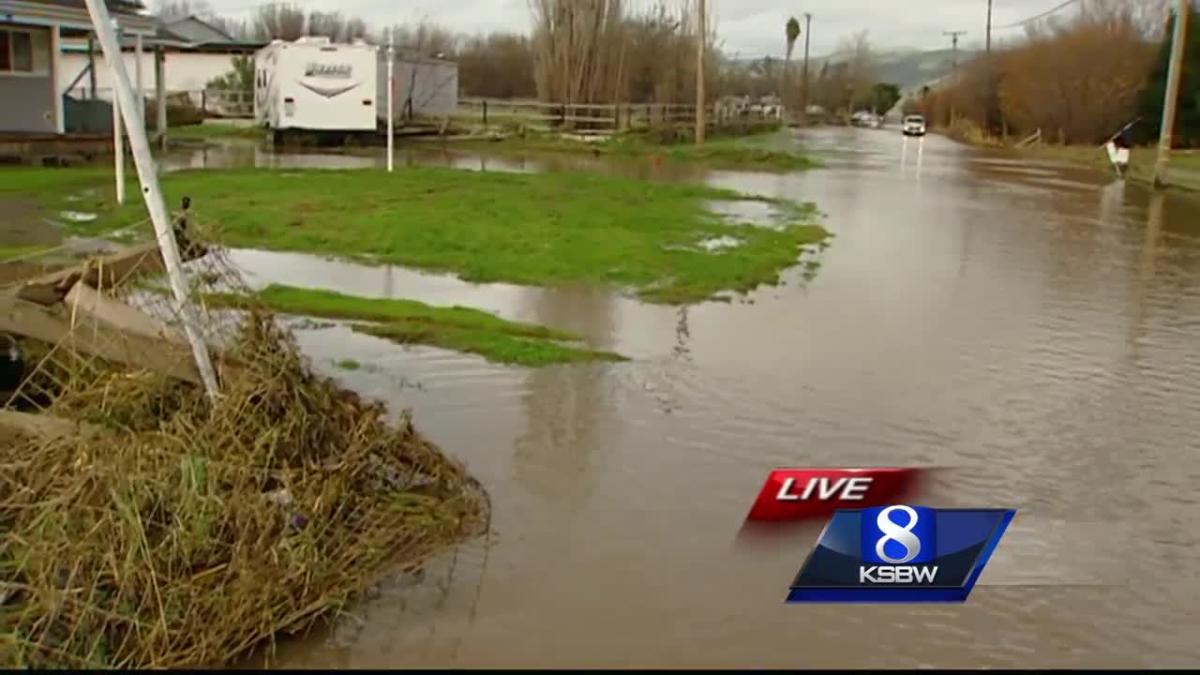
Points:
x=147 y=525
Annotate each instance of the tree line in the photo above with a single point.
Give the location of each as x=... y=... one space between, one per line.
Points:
x=1076 y=80
x=578 y=51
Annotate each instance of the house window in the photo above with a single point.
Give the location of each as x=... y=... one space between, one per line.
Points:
x=16 y=51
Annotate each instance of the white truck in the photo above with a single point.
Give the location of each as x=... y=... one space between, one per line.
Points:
x=315 y=85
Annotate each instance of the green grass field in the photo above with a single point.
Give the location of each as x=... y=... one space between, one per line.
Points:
x=411 y=322
x=537 y=229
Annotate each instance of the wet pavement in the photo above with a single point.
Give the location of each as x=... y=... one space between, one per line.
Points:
x=1026 y=327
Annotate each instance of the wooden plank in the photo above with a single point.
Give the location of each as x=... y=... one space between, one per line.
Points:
x=107 y=271
x=579 y=118
x=104 y=272
x=97 y=338
x=84 y=298
x=42 y=427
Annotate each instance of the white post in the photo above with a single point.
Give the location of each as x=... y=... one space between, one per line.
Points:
x=160 y=94
x=391 y=140
x=118 y=138
x=60 y=125
x=150 y=190
x=137 y=74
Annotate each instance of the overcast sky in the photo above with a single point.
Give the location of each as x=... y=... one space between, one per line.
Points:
x=748 y=27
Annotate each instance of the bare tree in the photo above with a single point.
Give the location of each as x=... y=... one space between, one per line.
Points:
x=355 y=29
x=1100 y=61
x=170 y=10
x=425 y=39
x=280 y=21
x=499 y=65
x=577 y=46
x=327 y=24
x=848 y=76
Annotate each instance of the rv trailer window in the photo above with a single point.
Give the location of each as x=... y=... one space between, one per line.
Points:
x=5 y=59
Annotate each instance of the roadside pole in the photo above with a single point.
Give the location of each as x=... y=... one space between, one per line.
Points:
x=118 y=141
x=701 y=38
x=988 y=39
x=140 y=146
x=391 y=141
x=1174 y=79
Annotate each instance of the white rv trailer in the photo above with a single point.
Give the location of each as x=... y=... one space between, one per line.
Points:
x=313 y=84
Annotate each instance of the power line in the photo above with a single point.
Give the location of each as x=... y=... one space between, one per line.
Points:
x=1035 y=17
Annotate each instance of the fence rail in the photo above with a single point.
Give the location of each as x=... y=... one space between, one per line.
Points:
x=579 y=118
x=601 y=118
x=210 y=102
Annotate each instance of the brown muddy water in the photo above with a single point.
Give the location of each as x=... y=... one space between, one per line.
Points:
x=1030 y=329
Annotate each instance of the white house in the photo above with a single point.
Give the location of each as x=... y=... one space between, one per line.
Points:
x=31 y=34
x=195 y=53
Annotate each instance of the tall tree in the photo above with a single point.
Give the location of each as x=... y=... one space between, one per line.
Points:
x=792 y=31
x=880 y=98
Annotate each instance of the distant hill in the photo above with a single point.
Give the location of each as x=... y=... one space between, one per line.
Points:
x=907 y=68
x=912 y=69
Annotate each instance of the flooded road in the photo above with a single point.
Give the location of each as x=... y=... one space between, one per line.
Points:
x=1025 y=327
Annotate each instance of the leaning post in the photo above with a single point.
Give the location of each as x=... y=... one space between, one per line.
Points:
x=140 y=146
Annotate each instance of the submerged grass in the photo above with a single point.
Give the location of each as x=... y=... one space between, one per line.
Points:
x=411 y=322
x=1183 y=172
x=538 y=229
x=774 y=150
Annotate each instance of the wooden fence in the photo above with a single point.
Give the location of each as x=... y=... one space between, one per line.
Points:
x=225 y=102
x=596 y=118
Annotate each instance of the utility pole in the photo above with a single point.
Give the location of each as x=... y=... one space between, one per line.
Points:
x=988 y=40
x=954 y=41
x=991 y=74
x=954 y=71
x=701 y=38
x=804 y=98
x=1174 y=79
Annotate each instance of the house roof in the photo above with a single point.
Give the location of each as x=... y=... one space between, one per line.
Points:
x=192 y=32
x=74 y=14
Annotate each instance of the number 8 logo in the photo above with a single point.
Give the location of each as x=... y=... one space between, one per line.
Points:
x=900 y=535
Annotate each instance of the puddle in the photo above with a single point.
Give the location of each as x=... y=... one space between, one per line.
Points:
x=747 y=212
x=78 y=216
x=714 y=244
x=243 y=153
